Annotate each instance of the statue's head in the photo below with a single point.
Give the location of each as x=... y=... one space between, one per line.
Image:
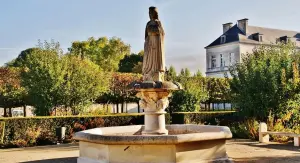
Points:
x=153 y=13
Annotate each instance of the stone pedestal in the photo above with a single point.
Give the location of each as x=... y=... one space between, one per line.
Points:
x=154 y=102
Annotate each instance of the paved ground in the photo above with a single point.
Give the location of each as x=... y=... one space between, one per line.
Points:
x=241 y=151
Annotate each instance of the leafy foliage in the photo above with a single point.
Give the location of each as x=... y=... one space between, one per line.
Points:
x=12 y=94
x=265 y=81
x=83 y=83
x=52 y=80
x=182 y=101
x=20 y=132
x=131 y=63
x=43 y=77
x=104 y=52
x=171 y=74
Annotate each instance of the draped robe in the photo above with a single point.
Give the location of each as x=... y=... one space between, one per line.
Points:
x=154 y=55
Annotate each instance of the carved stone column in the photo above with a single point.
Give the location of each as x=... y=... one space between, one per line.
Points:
x=154 y=102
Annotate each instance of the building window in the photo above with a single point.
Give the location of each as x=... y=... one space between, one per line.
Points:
x=213 y=61
x=231 y=58
x=223 y=39
x=222 y=62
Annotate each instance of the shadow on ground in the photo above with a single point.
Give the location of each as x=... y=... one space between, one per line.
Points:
x=271 y=145
x=58 y=160
x=288 y=159
x=287 y=146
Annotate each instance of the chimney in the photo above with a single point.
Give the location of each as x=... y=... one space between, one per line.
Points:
x=243 y=25
x=226 y=27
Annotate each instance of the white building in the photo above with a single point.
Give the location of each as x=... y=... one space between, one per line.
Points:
x=238 y=40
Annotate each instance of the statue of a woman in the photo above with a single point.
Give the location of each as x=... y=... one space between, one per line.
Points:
x=154 y=55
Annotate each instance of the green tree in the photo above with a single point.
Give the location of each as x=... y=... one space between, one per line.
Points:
x=129 y=62
x=197 y=86
x=265 y=80
x=83 y=82
x=172 y=74
x=198 y=74
x=105 y=52
x=187 y=72
x=21 y=60
x=43 y=76
x=11 y=93
x=182 y=73
x=182 y=101
x=138 y=68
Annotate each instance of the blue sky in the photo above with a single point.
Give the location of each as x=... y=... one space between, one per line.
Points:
x=190 y=25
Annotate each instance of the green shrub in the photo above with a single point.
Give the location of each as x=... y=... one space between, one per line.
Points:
x=20 y=132
x=208 y=118
x=182 y=101
x=2 y=127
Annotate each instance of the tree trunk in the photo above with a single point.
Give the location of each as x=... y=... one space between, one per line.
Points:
x=139 y=109
x=213 y=107
x=122 y=107
x=224 y=106
x=24 y=110
x=209 y=106
x=117 y=108
x=231 y=106
x=10 y=112
x=5 y=112
x=205 y=106
x=126 y=107
x=106 y=108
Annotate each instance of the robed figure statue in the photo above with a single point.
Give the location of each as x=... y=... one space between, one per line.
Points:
x=154 y=55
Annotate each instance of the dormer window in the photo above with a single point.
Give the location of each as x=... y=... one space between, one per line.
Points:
x=284 y=39
x=258 y=37
x=223 y=39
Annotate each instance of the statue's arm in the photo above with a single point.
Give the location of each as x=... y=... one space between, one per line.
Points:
x=161 y=28
x=146 y=33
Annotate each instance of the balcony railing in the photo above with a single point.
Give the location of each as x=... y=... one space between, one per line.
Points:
x=223 y=68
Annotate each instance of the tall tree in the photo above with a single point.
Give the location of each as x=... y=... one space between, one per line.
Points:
x=187 y=72
x=198 y=74
x=11 y=93
x=43 y=77
x=138 y=68
x=129 y=62
x=265 y=80
x=105 y=52
x=83 y=82
x=21 y=60
x=172 y=73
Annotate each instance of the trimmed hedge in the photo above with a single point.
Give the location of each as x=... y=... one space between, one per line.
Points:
x=21 y=132
x=32 y=131
x=2 y=126
x=207 y=118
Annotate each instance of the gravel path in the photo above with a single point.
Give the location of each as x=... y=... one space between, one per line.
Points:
x=241 y=151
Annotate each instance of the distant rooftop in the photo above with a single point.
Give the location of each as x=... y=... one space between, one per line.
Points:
x=252 y=34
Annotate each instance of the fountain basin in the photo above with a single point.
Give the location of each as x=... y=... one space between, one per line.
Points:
x=125 y=144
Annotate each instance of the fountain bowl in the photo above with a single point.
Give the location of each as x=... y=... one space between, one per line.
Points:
x=188 y=143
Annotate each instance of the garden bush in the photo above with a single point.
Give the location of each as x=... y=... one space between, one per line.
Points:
x=207 y=118
x=22 y=132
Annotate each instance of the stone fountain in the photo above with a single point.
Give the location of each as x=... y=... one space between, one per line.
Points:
x=154 y=142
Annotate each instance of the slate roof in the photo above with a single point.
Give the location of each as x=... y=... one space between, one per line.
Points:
x=270 y=36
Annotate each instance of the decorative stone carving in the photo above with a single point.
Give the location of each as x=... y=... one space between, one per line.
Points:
x=152 y=101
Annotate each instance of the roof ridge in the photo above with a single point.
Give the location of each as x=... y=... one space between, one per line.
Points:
x=273 y=28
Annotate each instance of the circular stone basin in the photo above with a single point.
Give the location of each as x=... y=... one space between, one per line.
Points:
x=125 y=144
